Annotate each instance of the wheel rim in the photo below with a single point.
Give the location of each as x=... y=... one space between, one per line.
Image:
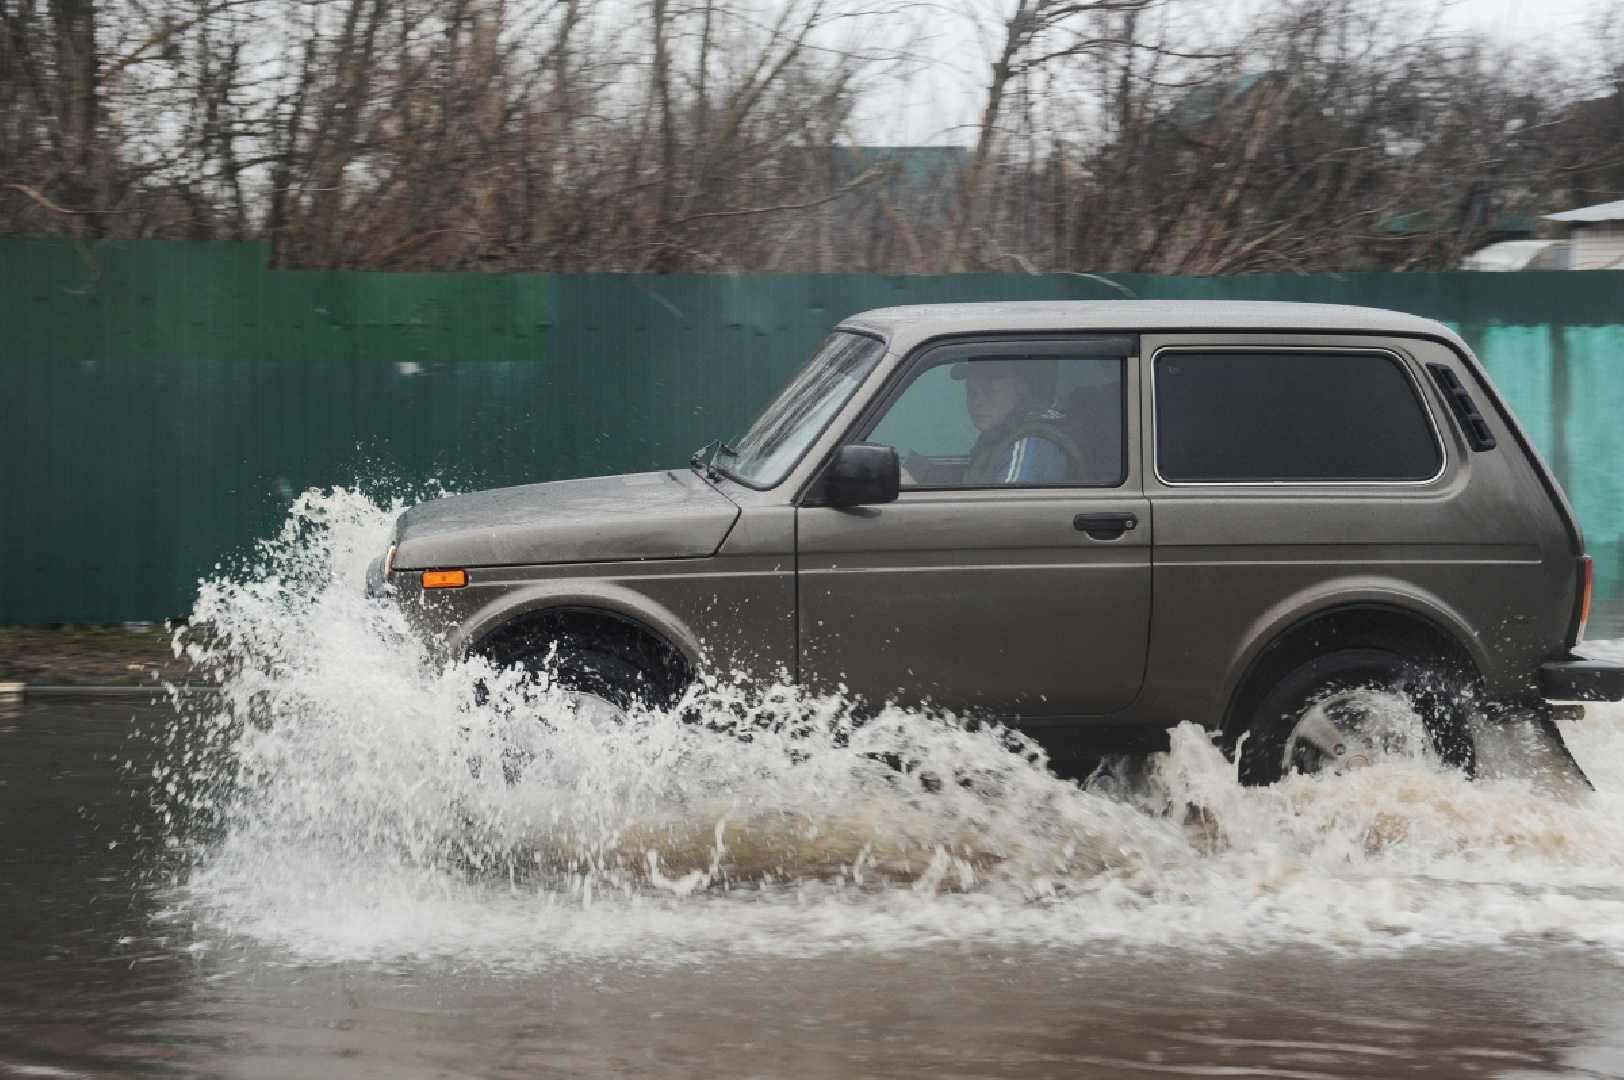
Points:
x=594 y=710
x=1353 y=729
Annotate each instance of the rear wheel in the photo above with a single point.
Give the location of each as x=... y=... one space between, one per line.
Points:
x=1354 y=707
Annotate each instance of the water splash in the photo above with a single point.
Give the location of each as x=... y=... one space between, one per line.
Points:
x=347 y=798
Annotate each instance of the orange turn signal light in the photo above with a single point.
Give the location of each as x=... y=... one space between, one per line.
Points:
x=444 y=579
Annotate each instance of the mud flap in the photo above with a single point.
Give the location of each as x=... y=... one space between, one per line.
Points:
x=1527 y=744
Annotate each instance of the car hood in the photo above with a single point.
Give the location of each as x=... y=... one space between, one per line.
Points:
x=659 y=515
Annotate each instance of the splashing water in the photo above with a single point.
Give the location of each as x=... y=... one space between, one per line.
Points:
x=348 y=799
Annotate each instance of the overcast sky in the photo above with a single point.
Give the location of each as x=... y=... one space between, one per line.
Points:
x=936 y=107
x=1514 y=20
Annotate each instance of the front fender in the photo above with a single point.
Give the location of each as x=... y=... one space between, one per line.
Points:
x=604 y=596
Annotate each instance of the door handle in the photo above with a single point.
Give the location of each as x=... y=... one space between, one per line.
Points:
x=1105 y=526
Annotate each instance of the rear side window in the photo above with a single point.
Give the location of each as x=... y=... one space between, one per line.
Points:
x=1236 y=417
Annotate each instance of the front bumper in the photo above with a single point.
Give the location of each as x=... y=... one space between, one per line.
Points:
x=1582 y=680
x=377 y=585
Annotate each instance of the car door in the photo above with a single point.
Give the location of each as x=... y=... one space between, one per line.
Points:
x=1011 y=577
x=1292 y=472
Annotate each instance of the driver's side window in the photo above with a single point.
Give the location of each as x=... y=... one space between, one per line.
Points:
x=1009 y=420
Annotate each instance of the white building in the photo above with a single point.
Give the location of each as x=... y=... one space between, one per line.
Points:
x=1520 y=255
x=1597 y=239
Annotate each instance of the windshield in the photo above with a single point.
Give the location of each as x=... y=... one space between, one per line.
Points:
x=776 y=441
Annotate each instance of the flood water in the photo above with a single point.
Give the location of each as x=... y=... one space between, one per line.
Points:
x=354 y=863
x=100 y=974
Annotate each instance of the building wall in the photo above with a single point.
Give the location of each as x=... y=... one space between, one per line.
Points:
x=1599 y=247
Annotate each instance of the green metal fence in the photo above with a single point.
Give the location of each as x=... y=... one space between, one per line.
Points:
x=161 y=403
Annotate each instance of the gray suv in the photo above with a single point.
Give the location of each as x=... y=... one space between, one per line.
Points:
x=1088 y=521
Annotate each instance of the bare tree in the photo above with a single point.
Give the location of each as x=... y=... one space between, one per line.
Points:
x=1034 y=34
x=718 y=135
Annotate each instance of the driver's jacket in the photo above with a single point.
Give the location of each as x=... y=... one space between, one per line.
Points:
x=1031 y=448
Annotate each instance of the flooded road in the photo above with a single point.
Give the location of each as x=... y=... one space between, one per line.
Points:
x=356 y=862
x=103 y=972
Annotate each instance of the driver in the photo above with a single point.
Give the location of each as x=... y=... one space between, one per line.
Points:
x=1023 y=439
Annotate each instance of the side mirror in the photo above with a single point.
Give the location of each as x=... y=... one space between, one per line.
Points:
x=862 y=474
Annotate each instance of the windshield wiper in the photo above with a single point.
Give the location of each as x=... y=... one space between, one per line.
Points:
x=708 y=469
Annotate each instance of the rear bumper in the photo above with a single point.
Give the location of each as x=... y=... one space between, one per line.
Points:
x=1582 y=680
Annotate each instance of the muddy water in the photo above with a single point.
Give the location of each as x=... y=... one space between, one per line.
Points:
x=102 y=974
x=358 y=862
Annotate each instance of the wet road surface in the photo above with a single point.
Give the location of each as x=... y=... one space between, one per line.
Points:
x=101 y=976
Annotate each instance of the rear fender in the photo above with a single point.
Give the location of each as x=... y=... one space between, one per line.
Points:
x=1346 y=592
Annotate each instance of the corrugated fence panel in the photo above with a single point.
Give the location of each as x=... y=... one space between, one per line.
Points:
x=1594 y=473
x=658 y=366
x=162 y=403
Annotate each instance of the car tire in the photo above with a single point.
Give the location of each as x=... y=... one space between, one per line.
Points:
x=1340 y=710
x=613 y=673
x=594 y=673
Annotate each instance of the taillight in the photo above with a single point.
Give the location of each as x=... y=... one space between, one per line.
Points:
x=1587 y=578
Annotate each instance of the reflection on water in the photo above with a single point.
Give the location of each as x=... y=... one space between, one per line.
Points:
x=354 y=863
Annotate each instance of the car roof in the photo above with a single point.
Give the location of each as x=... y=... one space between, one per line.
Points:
x=920 y=321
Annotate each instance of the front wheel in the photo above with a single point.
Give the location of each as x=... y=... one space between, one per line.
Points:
x=1352 y=708
x=606 y=677
x=596 y=683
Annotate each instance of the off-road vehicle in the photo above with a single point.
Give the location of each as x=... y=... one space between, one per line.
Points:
x=1088 y=521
